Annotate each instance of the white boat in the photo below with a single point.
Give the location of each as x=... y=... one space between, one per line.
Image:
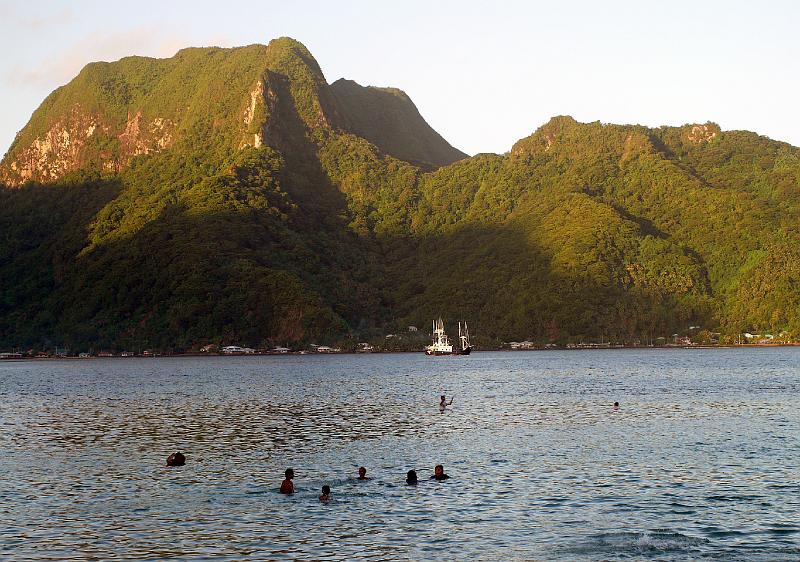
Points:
x=441 y=344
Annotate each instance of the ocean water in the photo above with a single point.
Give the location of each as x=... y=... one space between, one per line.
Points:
x=700 y=462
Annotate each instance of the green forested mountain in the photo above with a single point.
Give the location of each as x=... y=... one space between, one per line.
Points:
x=234 y=196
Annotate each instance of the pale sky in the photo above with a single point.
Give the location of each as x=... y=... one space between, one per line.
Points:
x=483 y=74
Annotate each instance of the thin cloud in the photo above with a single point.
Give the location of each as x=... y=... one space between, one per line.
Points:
x=35 y=22
x=41 y=22
x=66 y=63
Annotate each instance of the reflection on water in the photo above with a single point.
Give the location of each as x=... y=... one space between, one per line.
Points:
x=700 y=461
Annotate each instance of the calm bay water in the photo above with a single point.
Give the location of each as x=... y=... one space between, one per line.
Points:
x=700 y=462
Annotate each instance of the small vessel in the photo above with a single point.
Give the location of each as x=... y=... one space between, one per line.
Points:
x=463 y=338
x=441 y=344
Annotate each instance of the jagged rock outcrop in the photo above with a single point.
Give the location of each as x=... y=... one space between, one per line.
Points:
x=702 y=133
x=58 y=151
x=83 y=140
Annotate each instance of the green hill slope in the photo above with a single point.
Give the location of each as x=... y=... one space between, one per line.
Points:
x=387 y=118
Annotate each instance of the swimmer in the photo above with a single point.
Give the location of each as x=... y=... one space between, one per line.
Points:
x=411 y=478
x=176 y=459
x=362 y=473
x=616 y=405
x=438 y=473
x=326 y=493
x=287 y=486
x=443 y=403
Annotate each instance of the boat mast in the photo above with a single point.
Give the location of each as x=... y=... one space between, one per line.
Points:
x=438 y=331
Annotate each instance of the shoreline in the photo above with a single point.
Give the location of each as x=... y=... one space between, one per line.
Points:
x=295 y=354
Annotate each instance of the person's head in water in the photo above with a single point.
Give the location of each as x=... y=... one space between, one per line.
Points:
x=287 y=486
x=362 y=473
x=442 y=399
x=438 y=473
x=411 y=477
x=326 y=493
x=616 y=405
x=176 y=459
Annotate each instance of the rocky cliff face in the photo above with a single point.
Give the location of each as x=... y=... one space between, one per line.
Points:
x=702 y=133
x=82 y=139
x=57 y=151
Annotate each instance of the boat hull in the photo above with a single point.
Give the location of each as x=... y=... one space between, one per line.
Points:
x=431 y=352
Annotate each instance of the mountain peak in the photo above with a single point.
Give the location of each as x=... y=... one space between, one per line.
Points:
x=389 y=119
x=287 y=51
x=544 y=137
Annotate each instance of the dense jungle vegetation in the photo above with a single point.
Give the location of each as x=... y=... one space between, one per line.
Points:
x=233 y=196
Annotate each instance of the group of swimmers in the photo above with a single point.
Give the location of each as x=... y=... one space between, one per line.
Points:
x=287 y=486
